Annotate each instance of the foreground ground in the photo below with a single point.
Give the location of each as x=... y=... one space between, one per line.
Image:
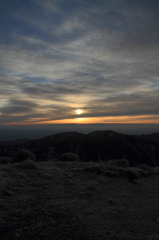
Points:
x=67 y=201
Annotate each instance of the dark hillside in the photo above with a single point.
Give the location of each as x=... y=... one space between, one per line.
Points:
x=96 y=146
x=154 y=137
x=15 y=142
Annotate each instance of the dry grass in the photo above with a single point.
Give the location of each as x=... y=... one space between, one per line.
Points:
x=50 y=200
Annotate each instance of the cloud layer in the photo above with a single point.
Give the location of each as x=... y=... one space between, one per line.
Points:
x=99 y=56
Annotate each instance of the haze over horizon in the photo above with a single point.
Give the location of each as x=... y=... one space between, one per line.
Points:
x=13 y=132
x=79 y=62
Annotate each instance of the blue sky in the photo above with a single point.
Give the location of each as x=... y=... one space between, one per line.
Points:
x=99 y=56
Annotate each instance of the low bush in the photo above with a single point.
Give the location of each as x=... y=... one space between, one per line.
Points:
x=118 y=162
x=28 y=164
x=23 y=155
x=114 y=168
x=5 y=160
x=69 y=157
x=145 y=173
x=131 y=173
x=145 y=167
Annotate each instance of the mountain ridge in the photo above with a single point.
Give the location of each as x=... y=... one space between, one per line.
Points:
x=100 y=145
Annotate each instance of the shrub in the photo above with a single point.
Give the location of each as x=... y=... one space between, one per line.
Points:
x=145 y=173
x=119 y=162
x=145 y=167
x=28 y=164
x=131 y=174
x=23 y=155
x=69 y=157
x=5 y=160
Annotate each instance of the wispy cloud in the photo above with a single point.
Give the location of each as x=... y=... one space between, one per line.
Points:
x=57 y=57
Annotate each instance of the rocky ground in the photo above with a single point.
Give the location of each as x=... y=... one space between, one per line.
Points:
x=71 y=201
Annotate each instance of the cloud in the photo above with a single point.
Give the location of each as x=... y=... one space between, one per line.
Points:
x=15 y=106
x=102 y=57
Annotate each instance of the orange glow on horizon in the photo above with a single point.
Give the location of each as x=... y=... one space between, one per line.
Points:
x=154 y=119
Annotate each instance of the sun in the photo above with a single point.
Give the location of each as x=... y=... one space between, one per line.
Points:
x=79 y=111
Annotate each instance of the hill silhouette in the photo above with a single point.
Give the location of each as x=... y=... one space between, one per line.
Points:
x=96 y=146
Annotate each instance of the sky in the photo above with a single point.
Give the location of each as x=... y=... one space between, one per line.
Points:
x=97 y=56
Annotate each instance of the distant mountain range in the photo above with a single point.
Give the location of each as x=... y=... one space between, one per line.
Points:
x=96 y=146
x=14 y=142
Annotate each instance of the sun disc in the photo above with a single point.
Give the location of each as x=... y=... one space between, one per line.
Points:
x=79 y=111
